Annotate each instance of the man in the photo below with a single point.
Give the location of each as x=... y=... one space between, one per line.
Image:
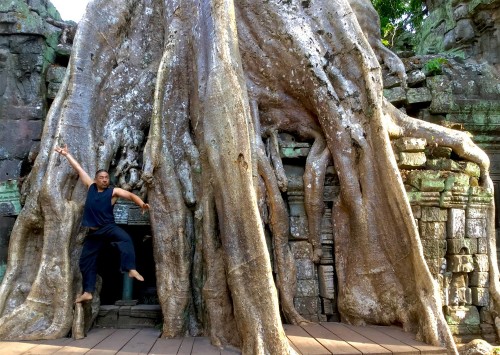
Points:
x=98 y=217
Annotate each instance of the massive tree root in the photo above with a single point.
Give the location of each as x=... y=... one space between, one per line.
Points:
x=193 y=73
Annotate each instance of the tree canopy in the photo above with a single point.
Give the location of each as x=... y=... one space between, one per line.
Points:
x=398 y=17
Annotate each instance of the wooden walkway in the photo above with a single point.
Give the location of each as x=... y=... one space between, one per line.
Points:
x=313 y=339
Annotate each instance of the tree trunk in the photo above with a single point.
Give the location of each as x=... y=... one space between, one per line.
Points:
x=206 y=81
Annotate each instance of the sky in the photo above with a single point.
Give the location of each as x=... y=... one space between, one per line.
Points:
x=70 y=9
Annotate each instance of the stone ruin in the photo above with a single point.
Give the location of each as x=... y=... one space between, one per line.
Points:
x=449 y=206
x=466 y=27
x=450 y=210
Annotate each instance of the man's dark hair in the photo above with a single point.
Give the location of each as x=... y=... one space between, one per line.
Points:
x=101 y=171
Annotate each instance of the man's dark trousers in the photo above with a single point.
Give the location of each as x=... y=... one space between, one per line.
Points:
x=93 y=243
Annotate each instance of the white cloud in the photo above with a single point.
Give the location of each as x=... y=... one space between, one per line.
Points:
x=70 y=9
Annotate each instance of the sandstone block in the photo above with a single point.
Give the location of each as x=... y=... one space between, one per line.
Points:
x=327 y=257
x=475 y=228
x=442 y=164
x=486 y=316
x=462 y=246
x=432 y=185
x=479 y=279
x=415 y=177
x=417 y=211
x=411 y=160
x=480 y=296
x=482 y=245
x=434 y=214
x=434 y=248
x=481 y=262
x=455 y=180
x=55 y=74
x=415 y=77
x=476 y=212
x=301 y=249
x=391 y=81
x=434 y=152
x=442 y=101
x=418 y=95
x=307 y=288
x=395 y=95
x=305 y=269
x=298 y=228
x=307 y=305
x=456 y=223
x=326 y=281
x=465 y=315
x=328 y=306
x=410 y=144
x=432 y=230
x=470 y=168
x=460 y=263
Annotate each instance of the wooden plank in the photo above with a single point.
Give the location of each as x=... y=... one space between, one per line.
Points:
x=16 y=347
x=409 y=338
x=385 y=340
x=113 y=343
x=202 y=346
x=363 y=344
x=49 y=346
x=294 y=347
x=303 y=341
x=141 y=343
x=230 y=350
x=186 y=346
x=81 y=346
x=164 y=346
x=330 y=341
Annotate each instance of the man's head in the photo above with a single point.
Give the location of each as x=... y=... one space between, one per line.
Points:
x=101 y=179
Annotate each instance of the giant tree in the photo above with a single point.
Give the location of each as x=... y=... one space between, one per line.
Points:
x=210 y=84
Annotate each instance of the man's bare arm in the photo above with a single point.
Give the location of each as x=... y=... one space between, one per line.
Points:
x=86 y=179
x=117 y=192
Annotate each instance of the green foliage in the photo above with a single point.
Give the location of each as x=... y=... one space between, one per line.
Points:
x=398 y=17
x=435 y=66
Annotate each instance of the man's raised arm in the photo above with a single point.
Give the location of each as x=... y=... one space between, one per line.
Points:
x=117 y=192
x=86 y=179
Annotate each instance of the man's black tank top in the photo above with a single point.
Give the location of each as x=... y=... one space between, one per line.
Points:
x=98 y=209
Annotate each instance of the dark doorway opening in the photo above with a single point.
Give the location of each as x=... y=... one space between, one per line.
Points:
x=113 y=278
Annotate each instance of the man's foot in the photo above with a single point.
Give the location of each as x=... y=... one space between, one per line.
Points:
x=134 y=274
x=84 y=297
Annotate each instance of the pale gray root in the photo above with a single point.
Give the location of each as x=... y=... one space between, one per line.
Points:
x=279 y=171
x=42 y=307
x=403 y=125
x=170 y=242
x=286 y=272
x=219 y=309
x=376 y=274
x=78 y=328
x=314 y=182
x=228 y=131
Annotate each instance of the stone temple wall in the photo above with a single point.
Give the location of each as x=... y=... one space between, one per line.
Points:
x=449 y=206
x=450 y=210
x=32 y=66
x=469 y=27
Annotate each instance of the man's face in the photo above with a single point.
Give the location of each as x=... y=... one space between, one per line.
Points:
x=102 y=180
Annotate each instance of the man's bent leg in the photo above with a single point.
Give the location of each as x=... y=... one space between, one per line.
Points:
x=88 y=266
x=122 y=240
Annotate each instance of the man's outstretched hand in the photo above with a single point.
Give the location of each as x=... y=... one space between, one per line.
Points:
x=62 y=150
x=145 y=207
